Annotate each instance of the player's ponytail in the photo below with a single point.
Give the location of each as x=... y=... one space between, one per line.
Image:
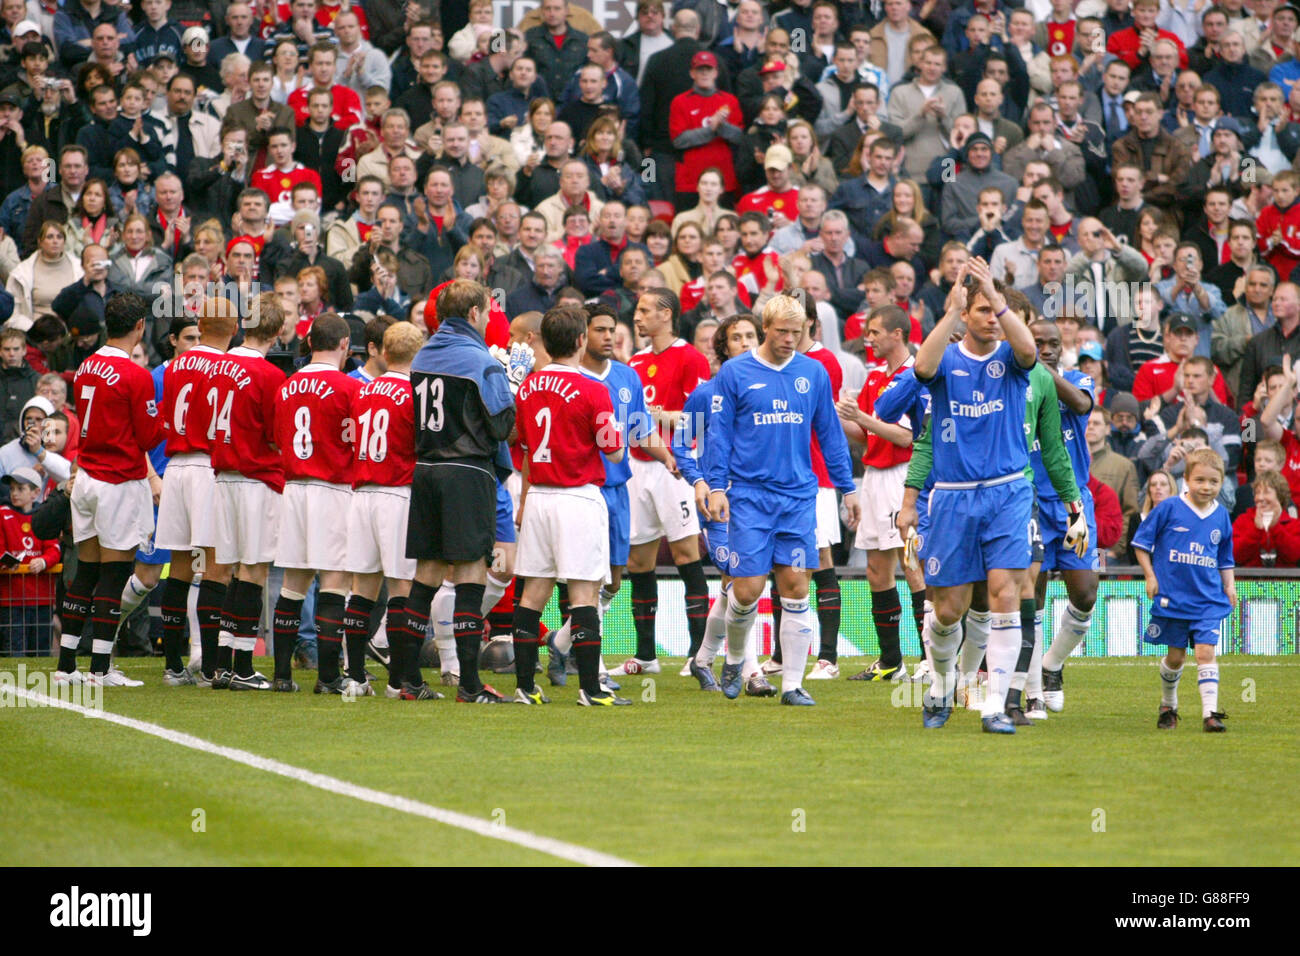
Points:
x=666 y=299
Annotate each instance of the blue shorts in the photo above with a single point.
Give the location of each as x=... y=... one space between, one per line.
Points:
x=768 y=528
x=505 y=515
x=1174 y=632
x=149 y=554
x=620 y=523
x=716 y=539
x=1053 y=522
x=984 y=527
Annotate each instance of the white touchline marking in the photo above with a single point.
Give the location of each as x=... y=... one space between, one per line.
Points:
x=532 y=841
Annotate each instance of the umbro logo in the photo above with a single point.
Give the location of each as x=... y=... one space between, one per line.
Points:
x=758 y=385
x=962 y=372
x=1182 y=530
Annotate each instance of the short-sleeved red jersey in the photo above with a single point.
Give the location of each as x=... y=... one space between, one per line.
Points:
x=384 y=412
x=667 y=377
x=189 y=404
x=119 y=416
x=882 y=453
x=822 y=354
x=248 y=387
x=314 y=426
x=565 y=421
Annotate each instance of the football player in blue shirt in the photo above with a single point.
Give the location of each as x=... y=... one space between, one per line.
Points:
x=1077 y=394
x=1185 y=549
x=762 y=417
x=980 y=498
x=737 y=335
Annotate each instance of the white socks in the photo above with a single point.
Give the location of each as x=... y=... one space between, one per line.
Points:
x=739 y=623
x=493 y=591
x=133 y=595
x=1207 y=681
x=1003 y=649
x=942 y=640
x=1169 y=677
x=1034 y=680
x=441 y=613
x=1074 y=628
x=715 y=629
x=797 y=623
x=973 y=647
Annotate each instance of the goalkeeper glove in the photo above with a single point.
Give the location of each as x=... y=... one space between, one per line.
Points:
x=1076 y=535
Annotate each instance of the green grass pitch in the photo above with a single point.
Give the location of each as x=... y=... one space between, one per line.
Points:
x=683 y=779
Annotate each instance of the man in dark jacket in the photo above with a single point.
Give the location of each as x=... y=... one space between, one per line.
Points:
x=439 y=227
x=597 y=263
x=17 y=381
x=556 y=47
x=541 y=291
x=58 y=199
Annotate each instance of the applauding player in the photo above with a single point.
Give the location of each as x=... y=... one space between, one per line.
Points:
x=567 y=429
x=112 y=506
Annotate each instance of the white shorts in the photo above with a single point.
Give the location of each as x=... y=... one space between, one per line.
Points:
x=377 y=532
x=882 y=498
x=247 y=520
x=314 y=526
x=515 y=485
x=828 y=518
x=120 y=516
x=186 y=516
x=662 y=506
x=565 y=534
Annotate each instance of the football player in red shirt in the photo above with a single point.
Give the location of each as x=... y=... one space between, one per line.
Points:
x=662 y=502
x=828 y=532
x=249 y=479
x=566 y=423
x=315 y=433
x=384 y=413
x=112 y=496
x=190 y=415
x=347 y=111
x=888 y=450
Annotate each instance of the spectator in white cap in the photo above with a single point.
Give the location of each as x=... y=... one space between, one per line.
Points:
x=194 y=63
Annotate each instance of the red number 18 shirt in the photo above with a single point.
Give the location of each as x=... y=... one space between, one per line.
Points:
x=565 y=422
x=314 y=426
x=384 y=413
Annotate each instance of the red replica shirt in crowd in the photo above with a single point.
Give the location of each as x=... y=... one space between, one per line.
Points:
x=1291 y=467
x=822 y=354
x=667 y=377
x=384 y=411
x=279 y=183
x=314 y=428
x=346 y=113
x=565 y=421
x=498 y=330
x=767 y=200
x=753 y=272
x=1283 y=255
x=119 y=417
x=688 y=111
x=1157 y=376
x=26 y=590
x=882 y=453
x=248 y=387
x=190 y=402
x=1126 y=43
